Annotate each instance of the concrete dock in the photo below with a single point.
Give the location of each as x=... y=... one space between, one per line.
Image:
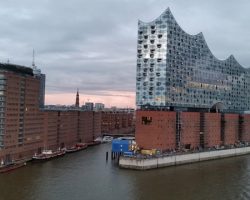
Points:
x=174 y=160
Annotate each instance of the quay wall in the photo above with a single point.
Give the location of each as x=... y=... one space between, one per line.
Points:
x=159 y=162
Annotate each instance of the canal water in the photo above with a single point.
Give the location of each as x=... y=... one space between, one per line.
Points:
x=85 y=175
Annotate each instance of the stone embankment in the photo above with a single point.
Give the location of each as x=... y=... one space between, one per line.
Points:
x=172 y=160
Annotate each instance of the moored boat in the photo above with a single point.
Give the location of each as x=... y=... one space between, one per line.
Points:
x=82 y=145
x=77 y=147
x=107 y=139
x=48 y=154
x=11 y=166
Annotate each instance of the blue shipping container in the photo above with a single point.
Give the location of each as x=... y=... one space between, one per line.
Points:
x=121 y=145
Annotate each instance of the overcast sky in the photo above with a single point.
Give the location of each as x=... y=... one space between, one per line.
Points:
x=91 y=45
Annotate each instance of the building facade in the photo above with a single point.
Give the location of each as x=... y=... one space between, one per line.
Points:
x=42 y=78
x=99 y=107
x=117 y=123
x=27 y=128
x=174 y=130
x=175 y=69
x=21 y=120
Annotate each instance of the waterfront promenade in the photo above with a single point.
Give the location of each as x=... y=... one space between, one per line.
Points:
x=179 y=159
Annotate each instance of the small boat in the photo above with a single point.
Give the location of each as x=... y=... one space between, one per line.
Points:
x=107 y=139
x=48 y=154
x=82 y=145
x=11 y=166
x=77 y=147
x=72 y=149
x=98 y=139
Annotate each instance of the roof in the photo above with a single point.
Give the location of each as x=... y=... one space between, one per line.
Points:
x=16 y=68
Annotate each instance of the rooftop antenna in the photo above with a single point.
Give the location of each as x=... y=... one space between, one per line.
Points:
x=33 y=59
x=8 y=61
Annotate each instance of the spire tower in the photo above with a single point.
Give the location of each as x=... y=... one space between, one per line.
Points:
x=77 y=99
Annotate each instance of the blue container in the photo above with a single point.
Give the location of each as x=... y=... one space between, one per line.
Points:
x=121 y=145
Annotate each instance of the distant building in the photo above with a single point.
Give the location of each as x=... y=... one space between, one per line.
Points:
x=89 y=106
x=99 y=106
x=117 y=123
x=42 y=78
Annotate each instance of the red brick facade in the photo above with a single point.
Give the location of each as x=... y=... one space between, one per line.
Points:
x=157 y=129
x=117 y=123
x=212 y=129
x=245 y=128
x=231 y=129
x=190 y=129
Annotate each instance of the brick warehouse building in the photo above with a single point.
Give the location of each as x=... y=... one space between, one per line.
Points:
x=26 y=128
x=186 y=97
x=168 y=130
x=117 y=123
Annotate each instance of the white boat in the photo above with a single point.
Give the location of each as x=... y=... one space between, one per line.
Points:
x=48 y=154
x=99 y=139
x=107 y=139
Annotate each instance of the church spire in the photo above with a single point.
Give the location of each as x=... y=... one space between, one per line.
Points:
x=77 y=99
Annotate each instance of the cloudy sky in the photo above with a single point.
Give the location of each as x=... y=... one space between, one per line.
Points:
x=91 y=44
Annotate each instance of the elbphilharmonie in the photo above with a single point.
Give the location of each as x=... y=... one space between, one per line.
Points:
x=178 y=70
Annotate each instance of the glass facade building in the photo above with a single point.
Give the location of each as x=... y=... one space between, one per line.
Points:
x=175 y=69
